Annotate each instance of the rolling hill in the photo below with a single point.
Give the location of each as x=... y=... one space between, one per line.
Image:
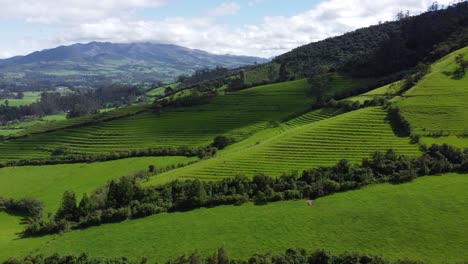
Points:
x=394 y=206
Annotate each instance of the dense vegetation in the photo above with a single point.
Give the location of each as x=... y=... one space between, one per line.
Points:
x=125 y=198
x=75 y=104
x=291 y=256
x=400 y=44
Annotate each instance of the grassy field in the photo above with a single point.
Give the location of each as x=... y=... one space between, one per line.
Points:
x=29 y=98
x=237 y=114
x=306 y=144
x=389 y=90
x=424 y=220
x=437 y=104
x=47 y=183
x=10 y=242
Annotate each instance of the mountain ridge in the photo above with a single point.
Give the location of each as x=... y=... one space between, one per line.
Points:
x=125 y=62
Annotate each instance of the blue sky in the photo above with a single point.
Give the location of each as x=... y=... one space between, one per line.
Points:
x=249 y=27
x=252 y=12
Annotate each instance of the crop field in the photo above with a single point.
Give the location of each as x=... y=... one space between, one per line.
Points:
x=47 y=183
x=237 y=115
x=422 y=220
x=437 y=104
x=353 y=136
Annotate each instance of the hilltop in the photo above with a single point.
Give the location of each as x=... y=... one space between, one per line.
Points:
x=85 y=64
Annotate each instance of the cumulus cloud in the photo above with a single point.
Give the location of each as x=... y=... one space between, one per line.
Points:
x=68 y=11
x=273 y=36
x=227 y=8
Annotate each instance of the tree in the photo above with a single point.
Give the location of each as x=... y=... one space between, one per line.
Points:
x=68 y=209
x=320 y=84
x=168 y=90
x=151 y=168
x=461 y=66
x=283 y=74
x=120 y=193
x=434 y=7
x=85 y=207
x=220 y=142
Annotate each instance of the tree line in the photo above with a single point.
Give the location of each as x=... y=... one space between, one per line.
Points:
x=221 y=256
x=385 y=49
x=126 y=199
x=76 y=104
x=62 y=155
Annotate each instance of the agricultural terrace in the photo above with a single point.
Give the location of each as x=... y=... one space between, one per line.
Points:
x=353 y=136
x=237 y=115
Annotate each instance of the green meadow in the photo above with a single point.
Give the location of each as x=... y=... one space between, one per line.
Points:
x=48 y=183
x=422 y=220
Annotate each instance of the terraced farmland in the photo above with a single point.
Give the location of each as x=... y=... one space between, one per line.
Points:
x=351 y=136
x=237 y=114
x=422 y=220
x=437 y=104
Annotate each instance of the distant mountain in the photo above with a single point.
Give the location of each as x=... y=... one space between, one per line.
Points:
x=84 y=64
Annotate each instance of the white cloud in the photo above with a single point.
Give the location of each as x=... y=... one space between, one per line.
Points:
x=273 y=36
x=68 y=11
x=254 y=2
x=227 y=8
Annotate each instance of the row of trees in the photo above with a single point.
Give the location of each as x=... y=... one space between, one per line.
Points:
x=10 y=95
x=75 y=104
x=290 y=256
x=63 y=156
x=125 y=198
x=26 y=206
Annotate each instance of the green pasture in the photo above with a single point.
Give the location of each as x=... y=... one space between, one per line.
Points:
x=437 y=104
x=423 y=220
x=48 y=183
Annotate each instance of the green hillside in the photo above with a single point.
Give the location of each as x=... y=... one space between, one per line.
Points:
x=421 y=220
x=438 y=102
x=351 y=136
x=292 y=141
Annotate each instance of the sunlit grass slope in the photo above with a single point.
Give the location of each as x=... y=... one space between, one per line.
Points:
x=47 y=183
x=10 y=241
x=438 y=103
x=424 y=220
x=238 y=114
x=353 y=136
